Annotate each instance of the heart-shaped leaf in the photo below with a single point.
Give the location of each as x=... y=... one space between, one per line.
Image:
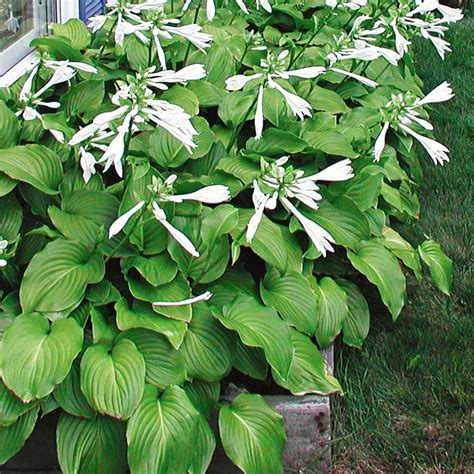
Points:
x=89 y=446
x=36 y=356
x=112 y=380
x=162 y=432
x=332 y=310
x=143 y=316
x=207 y=346
x=253 y=434
x=383 y=270
x=292 y=296
x=33 y=164
x=13 y=437
x=308 y=372
x=57 y=277
x=10 y=407
x=441 y=266
x=164 y=366
x=260 y=326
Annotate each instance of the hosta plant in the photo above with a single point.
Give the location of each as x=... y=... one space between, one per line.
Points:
x=191 y=195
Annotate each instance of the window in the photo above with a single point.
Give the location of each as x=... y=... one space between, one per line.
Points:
x=23 y=20
x=20 y=22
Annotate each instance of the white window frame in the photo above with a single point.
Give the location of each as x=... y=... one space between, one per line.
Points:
x=66 y=9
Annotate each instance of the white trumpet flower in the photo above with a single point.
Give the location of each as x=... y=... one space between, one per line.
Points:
x=125 y=15
x=214 y=194
x=211 y=7
x=351 y=5
x=207 y=195
x=136 y=106
x=88 y=164
x=122 y=221
x=401 y=111
x=320 y=237
x=63 y=72
x=280 y=184
x=196 y=299
x=276 y=68
x=437 y=151
x=78 y=66
x=401 y=43
x=177 y=235
x=161 y=27
x=450 y=15
x=160 y=80
x=380 y=142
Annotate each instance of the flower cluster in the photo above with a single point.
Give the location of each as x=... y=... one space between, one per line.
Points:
x=280 y=184
x=402 y=112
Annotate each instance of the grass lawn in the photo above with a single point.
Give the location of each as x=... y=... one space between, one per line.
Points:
x=410 y=392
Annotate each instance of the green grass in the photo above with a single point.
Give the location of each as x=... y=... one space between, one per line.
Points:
x=409 y=393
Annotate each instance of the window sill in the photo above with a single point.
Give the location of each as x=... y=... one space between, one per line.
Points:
x=25 y=65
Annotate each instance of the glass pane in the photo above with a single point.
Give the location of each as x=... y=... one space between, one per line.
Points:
x=20 y=22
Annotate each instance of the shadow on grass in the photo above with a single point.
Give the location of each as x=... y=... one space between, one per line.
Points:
x=409 y=393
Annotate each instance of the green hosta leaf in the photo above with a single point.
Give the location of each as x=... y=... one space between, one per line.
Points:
x=234 y=107
x=355 y=326
x=203 y=395
x=57 y=277
x=6 y=185
x=36 y=356
x=161 y=433
x=164 y=366
x=253 y=434
x=183 y=97
x=220 y=221
x=177 y=290
x=240 y=167
x=268 y=243
x=13 y=437
x=157 y=270
x=34 y=164
x=382 y=269
x=91 y=446
x=327 y=100
x=9 y=125
x=83 y=97
x=260 y=326
x=277 y=142
x=11 y=217
x=10 y=407
x=204 y=447
x=441 y=266
x=332 y=310
x=275 y=109
x=402 y=249
x=168 y=151
x=292 y=296
x=207 y=346
x=83 y=213
x=364 y=190
x=113 y=380
x=331 y=142
x=343 y=220
x=250 y=361
x=75 y=31
x=70 y=398
x=235 y=281
x=143 y=316
x=208 y=94
x=308 y=372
